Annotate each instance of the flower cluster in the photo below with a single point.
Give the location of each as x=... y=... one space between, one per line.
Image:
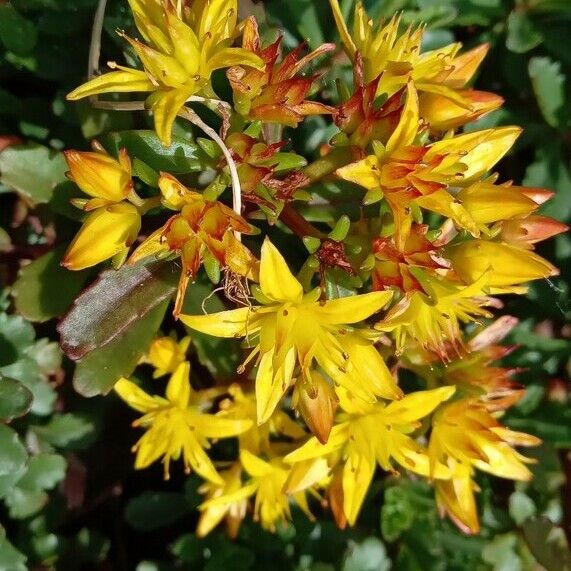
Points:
x=316 y=405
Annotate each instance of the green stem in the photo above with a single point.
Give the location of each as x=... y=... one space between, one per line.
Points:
x=324 y=166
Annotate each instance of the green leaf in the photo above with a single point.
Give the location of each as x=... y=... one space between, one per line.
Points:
x=10 y=558
x=32 y=170
x=113 y=303
x=285 y=162
x=549 y=86
x=521 y=34
x=369 y=555
x=44 y=472
x=397 y=513
x=15 y=399
x=501 y=553
x=548 y=544
x=44 y=289
x=180 y=158
x=16 y=32
x=13 y=455
x=146 y=173
x=16 y=335
x=521 y=507
x=153 y=510
x=550 y=170
x=25 y=503
x=99 y=370
x=64 y=430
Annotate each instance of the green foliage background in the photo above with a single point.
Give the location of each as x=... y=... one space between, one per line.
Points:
x=69 y=498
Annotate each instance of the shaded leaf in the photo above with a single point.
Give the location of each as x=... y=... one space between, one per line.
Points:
x=181 y=157
x=99 y=370
x=44 y=472
x=153 y=510
x=10 y=557
x=15 y=399
x=548 y=544
x=32 y=170
x=13 y=455
x=44 y=289
x=521 y=34
x=549 y=86
x=64 y=429
x=369 y=555
x=114 y=302
x=16 y=32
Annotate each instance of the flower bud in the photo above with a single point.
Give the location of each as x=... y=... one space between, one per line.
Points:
x=105 y=233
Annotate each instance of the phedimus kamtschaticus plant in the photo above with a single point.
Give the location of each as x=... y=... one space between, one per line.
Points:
x=316 y=405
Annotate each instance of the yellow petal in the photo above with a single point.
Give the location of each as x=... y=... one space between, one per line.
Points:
x=233 y=323
x=165 y=105
x=480 y=150
x=314 y=449
x=229 y=57
x=506 y=264
x=304 y=475
x=442 y=202
x=196 y=456
x=134 y=396
x=185 y=44
x=489 y=203
x=351 y=309
x=407 y=128
x=99 y=175
x=178 y=388
x=150 y=247
x=122 y=81
x=364 y=172
x=232 y=497
x=271 y=385
x=105 y=233
x=367 y=369
x=455 y=497
x=165 y=69
x=217 y=427
x=255 y=466
x=357 y=475
x=417 y=405
x=276 y=281
x=150 y=20
x=346 y=39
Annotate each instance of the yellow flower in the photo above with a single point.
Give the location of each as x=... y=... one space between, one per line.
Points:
x=440 y=75
x=487 y=202
x=290 y=328
x=165 y=354
x=233 y=513
x=406 y=174
x=267 y=482
x=376 y=434
x=504 y=264
x=204 y=229
x=467 y=432
x=100 y=176
x=177 y=426
x=465 y=436
x=433 y=318
x=113 y=224
x=257 y=440
x=184 y=45
x=455 y=498
x=107 y=232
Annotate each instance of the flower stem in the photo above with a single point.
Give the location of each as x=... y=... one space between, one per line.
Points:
x=328 y=164
x=298 y=224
